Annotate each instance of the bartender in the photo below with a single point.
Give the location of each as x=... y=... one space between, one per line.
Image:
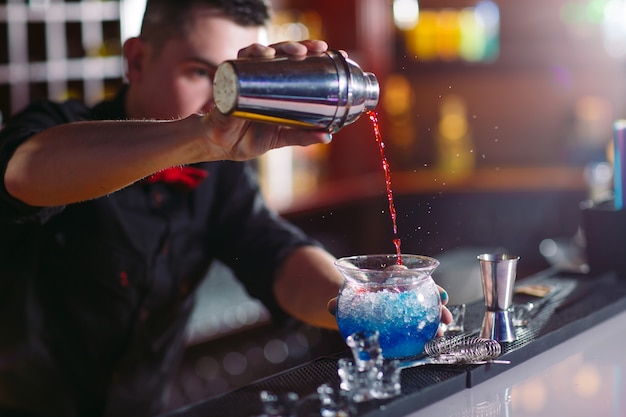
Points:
x=111 y=216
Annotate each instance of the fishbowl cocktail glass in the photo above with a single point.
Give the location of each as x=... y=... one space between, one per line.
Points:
x=399 y=299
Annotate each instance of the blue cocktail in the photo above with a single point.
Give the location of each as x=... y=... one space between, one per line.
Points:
x=399 y=300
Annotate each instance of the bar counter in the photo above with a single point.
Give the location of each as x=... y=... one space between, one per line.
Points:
x=584 y=376
x=567 y=361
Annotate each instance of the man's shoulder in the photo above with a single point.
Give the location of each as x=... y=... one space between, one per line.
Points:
x=44 y=113
x=48 y=112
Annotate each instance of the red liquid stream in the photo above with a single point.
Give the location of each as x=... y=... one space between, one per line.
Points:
x=392 y=207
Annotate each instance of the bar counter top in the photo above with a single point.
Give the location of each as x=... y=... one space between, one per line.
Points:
x=568 y=361
x=581 y=377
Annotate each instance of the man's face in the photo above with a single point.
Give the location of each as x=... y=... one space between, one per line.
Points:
x=178 y=80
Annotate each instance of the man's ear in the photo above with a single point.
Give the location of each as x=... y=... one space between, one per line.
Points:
x=134 y=54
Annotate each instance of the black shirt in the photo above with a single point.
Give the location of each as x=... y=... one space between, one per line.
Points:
x=95 y=296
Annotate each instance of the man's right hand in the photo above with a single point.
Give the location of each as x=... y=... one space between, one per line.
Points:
x=240 y=139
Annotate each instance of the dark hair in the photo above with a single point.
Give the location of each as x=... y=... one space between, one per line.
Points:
x=167 y=19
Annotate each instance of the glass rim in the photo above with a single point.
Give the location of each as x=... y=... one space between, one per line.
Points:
x=378 y=263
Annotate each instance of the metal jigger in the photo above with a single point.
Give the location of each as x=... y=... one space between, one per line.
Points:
x=498 y=272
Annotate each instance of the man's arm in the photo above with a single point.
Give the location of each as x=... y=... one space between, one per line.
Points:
x=83 y=160
x=79 y=161
x=305 y=283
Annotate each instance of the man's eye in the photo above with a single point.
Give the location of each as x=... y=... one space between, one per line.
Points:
x=200 y=73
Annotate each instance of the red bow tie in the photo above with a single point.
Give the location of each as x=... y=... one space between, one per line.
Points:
x=185 y=177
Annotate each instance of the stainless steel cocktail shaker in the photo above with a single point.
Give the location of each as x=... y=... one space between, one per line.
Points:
x=326 y=91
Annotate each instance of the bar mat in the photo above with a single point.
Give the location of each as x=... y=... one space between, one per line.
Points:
x=581 y=302
x=433 y=384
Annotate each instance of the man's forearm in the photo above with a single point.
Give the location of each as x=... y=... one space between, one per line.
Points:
x=84 y=160
x=305 y=283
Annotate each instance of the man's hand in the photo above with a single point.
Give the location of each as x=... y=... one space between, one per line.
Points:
x=240 y=139
x=293 y=49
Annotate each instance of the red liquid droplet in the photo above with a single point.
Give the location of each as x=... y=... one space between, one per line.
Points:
x=392 y=208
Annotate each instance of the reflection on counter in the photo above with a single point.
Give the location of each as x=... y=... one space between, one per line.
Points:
x=582 y=377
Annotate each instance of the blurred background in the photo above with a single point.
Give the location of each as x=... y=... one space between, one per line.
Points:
x=496 y=115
